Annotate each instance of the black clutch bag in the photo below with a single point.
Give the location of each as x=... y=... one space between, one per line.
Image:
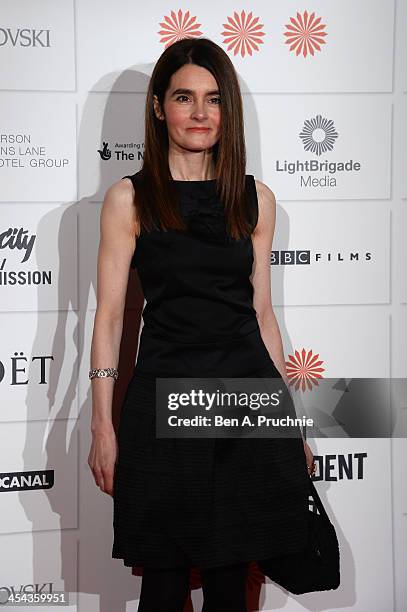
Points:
x=316 y=567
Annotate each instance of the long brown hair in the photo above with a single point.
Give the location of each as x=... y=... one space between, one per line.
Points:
x=156 y=197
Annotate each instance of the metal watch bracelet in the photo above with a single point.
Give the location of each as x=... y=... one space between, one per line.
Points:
x=103 y=373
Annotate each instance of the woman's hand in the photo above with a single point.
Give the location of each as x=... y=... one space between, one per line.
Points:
x=310 y=458
x=102 y=458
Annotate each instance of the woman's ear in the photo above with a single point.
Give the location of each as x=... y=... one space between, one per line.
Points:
x=157 y=108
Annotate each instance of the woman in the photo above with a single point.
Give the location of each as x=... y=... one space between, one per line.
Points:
x=199 y=231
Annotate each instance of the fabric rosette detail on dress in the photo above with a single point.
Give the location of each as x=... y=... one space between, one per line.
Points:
x=205 y=218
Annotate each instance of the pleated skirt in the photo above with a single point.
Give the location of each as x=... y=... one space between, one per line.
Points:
x=203 y=502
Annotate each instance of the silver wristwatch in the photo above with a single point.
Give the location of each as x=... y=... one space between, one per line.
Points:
x=103 y=373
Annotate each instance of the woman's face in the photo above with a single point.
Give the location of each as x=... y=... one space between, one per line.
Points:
x=192 y=101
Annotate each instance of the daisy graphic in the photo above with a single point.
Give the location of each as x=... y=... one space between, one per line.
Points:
x=243 y=34
x=305 y=34
x=178 y=26
x=304 y=369
x=318 y=135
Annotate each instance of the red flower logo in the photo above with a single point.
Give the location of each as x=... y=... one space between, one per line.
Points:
x=305 y=34
x=177 y=27
x=242 y=34
x=304 y=369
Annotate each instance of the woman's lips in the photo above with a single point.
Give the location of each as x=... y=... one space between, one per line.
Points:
x=198 y=129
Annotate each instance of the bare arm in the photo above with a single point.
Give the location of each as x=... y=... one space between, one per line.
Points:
x=118 y=231
x=262 y=243
x=262 y=302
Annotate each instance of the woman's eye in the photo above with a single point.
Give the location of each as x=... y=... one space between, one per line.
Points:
x=217 y=100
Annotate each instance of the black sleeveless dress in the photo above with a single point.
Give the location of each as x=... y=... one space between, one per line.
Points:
x=201 y=502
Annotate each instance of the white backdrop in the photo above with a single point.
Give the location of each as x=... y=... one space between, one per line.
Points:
x=73 y=76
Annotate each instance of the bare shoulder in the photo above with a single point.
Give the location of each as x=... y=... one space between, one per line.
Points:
x=265 y=194
x=267 y=205
x=120 y=194
x=118 y=205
